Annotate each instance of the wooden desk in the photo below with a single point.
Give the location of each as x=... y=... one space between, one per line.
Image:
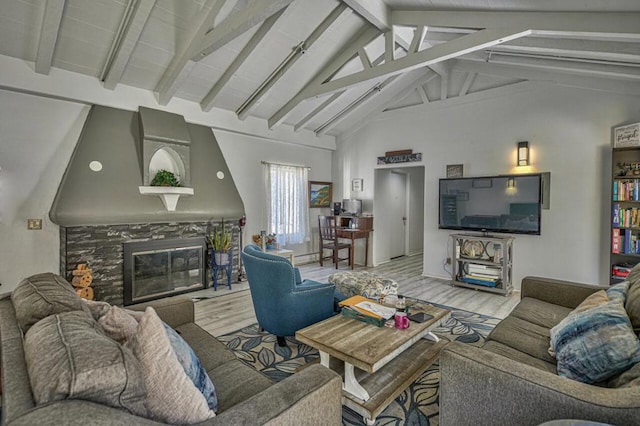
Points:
x=363 y=226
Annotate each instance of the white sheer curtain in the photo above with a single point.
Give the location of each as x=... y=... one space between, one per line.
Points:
x=287 y=202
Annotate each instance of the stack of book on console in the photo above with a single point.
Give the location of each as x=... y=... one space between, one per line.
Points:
x=366 y=310
x=488 y=276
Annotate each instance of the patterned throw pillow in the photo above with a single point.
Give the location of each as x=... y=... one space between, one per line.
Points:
x=618 y=292
x=596 y=343
x=121 y=325
x=171 y=395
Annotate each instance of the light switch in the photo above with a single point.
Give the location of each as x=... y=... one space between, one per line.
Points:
x=34 y=224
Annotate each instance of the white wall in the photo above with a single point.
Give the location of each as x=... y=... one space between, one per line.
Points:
x=569 y=131
x=244 y=155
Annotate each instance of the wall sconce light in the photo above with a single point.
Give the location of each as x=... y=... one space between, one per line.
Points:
x=511 y=183
x=523 y=153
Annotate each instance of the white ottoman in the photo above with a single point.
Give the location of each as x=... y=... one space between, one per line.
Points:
x=364 y=283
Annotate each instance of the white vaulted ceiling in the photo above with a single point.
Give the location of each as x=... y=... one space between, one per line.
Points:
x=348 y=59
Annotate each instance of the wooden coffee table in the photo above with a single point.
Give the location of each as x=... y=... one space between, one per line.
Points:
x=377 y=363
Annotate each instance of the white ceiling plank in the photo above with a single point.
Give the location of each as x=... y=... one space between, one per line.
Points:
x=236 y=24
x=452 y=49
x=444 y=86
x=547 y=76
x=331 y=99
x=127 y=42
x=418 y=37
x=207 y=102
x=467 y=83
x=181 y=65
x=348 y=52
x=251 y=103
x=389 y=46
x=49 y=35
x=375 y=12
x=364 y=58
x=603 y=23
x=423 y=94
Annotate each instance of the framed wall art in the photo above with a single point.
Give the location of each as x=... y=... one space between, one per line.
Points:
x=454 y=170
x=356 y=184
x=320 y=194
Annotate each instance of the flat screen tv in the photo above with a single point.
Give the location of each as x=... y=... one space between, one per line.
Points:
x=507 y=203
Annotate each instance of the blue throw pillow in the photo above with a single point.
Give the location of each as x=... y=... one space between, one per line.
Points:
x=618 y=292
x=595 y=344
x=193 y=367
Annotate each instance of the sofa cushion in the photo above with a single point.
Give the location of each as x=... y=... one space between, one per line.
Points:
x=539 y=312
x=594 y=344
x=516 y=355
x=211 y=352
x=523 y=336
x=236 y=381
x=68 y=357
x=42 y=295
x=121 y=325
x=171 y=395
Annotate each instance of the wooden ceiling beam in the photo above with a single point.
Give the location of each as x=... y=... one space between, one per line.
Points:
x=248 y=106
x=180 y=66
x=349 y=51
x=375 y=12
x=457 y=47
x=624 y=24
x=207 y=102
x=127 y=42
x=236 y=24
x=49 y=35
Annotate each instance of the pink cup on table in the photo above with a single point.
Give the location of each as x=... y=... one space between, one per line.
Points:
x=401 y=320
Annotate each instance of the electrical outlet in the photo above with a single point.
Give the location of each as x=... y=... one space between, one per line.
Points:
x=34 y=224
x=448 y=261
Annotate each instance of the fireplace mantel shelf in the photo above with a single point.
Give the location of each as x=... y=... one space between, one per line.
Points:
x=168 y=194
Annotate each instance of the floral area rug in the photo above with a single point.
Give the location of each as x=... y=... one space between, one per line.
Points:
x=417 y=405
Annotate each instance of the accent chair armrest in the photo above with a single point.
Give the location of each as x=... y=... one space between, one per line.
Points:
x=564 y=293
x=313 y=285
x=478 y=387
x=296 y=275
x=175 y=311
x=310 y=396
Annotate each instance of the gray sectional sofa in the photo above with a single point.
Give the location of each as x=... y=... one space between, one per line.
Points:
x=245 y=396
x=513 y=380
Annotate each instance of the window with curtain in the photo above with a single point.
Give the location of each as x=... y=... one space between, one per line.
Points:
x=287 y=203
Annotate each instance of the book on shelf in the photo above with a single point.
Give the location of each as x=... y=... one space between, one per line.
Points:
x=615 y=190
x=616 y=214
x=615 y=240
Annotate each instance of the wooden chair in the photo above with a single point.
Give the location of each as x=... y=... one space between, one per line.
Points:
x=329 y=240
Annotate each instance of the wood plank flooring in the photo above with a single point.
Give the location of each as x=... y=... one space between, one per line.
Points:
x=226 y=311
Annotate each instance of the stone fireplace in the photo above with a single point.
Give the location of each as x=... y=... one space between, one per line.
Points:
x=103 y=247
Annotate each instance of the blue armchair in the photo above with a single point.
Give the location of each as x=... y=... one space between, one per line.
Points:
x=283 y=302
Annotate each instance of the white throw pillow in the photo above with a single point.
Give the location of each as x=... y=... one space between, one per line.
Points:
x=171 y=395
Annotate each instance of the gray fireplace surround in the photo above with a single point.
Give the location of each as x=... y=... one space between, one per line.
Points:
x=98 y=211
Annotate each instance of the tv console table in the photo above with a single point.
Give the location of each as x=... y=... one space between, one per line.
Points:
x=482 y=262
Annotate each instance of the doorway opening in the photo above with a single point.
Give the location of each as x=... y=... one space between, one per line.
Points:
x=398 y=208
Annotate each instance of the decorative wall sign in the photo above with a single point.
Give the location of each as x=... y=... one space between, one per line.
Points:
x=356 y=184
x=454 y=170
x=320 y=194
x=402 y=158
x=627 y=136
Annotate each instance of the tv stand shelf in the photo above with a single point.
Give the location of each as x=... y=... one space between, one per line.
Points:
x=482 y=262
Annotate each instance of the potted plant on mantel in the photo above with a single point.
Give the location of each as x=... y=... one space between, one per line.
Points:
x=165 y=178
x=220 y=244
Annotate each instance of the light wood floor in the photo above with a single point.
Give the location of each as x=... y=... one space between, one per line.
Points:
x=230 y=311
